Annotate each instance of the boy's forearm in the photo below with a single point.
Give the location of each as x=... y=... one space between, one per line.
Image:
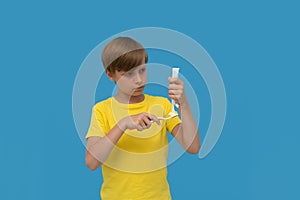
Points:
x=100 y=148
x=189 y=128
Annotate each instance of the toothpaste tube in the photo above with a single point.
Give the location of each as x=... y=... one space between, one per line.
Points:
x=175 y=72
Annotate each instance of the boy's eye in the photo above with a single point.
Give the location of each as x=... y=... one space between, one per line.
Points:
x=129 y=73
x=142 y=70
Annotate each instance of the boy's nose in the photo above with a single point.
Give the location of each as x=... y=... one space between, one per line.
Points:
x=138 y=78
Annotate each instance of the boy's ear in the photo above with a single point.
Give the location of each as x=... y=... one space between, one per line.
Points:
x=109 y=75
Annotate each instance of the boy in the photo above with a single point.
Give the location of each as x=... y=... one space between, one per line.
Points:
x=125 y=135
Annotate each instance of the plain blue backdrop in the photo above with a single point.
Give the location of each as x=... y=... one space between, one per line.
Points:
x=255 y=45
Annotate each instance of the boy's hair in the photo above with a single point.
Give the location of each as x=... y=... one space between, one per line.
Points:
x=123 y=54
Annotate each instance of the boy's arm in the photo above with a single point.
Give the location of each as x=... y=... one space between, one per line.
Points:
x=99 y=148
x=186 y=133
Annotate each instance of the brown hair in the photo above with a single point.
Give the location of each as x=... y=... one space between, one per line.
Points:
x=123 y=54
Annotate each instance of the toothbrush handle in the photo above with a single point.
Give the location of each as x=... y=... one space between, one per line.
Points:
x=173 y=105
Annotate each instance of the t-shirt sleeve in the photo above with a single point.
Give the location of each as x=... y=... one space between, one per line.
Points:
x=171 y=123
x=97 y=124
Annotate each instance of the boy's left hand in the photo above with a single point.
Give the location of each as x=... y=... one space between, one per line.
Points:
x=176 y=90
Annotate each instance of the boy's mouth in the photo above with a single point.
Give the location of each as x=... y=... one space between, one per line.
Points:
x=139 y=88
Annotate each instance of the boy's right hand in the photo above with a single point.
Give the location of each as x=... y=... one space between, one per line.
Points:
x=140 y=121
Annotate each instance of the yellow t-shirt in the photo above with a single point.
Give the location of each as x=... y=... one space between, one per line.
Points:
x=136 y=167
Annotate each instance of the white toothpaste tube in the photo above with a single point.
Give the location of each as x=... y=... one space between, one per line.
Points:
x=175 y=72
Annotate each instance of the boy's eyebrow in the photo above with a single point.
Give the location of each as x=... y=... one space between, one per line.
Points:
x=137 y=68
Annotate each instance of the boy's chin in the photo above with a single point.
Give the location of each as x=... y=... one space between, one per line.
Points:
x=137 y=93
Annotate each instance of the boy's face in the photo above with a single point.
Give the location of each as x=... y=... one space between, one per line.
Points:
x=132 y=82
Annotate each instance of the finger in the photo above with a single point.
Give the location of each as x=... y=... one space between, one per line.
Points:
x=174 y=80
x=176 y=90
x=151 y=118
x=177 y=93
x=155 y=119
x=143 y=124
x=142 y=116
x=171 y=92
x=139 y=128
x=174 y=97
x=147 y=121
x=176 y=86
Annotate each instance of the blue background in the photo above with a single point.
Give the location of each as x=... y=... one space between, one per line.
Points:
x=255 y=45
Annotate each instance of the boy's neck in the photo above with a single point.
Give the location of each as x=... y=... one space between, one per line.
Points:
x=129 y=100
